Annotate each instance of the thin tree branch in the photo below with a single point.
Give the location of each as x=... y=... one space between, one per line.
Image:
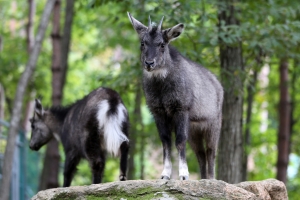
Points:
x=23 y=82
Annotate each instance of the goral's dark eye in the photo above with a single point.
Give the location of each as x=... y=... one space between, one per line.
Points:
x=142 y=44
x=162 y=45
x=32 y=126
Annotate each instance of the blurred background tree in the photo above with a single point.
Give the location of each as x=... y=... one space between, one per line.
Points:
x=104 y=51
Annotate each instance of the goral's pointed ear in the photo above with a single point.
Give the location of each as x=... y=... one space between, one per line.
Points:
x=138 y=26
x=38 y=109
x=174 y=32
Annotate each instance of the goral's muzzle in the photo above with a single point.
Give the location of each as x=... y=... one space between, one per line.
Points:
x=149 y=65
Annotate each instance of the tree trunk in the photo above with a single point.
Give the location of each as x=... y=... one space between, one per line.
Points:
x=284 y=123
x=49 y=176
x=65 y=43
x=2 y=100
x=230 y=155
x=140 y=130
x=134 y=133
x=56 y=56
x=30 y=103
x=142 y=152
x=30 y=27
x=18 y=101
x=293 y=120
x=30 y=43
x=250 y=96
x=1 y=41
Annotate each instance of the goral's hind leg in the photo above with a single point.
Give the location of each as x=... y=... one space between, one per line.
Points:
x=197 y=144
x=124 y=148
x=95 y=154
x=97 y=166
x=212 y=139
x=70 y=168
x=96 y=158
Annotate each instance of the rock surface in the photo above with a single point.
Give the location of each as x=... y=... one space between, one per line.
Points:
x=172 y=189
x=270 y=189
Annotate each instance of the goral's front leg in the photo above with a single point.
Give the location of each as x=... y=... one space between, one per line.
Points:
x=164 y=129
x=167 y=171
x=183 y=169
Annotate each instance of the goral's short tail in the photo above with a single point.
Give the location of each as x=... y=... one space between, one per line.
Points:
x=112 y=123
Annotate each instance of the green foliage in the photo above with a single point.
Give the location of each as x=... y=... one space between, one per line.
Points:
x=105 y=52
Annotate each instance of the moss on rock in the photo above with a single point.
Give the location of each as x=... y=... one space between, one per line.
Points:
x=166 y=190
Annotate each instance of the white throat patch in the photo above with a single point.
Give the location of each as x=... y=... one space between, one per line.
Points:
x=160 y=73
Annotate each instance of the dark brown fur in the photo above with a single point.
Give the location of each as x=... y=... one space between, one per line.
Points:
x=79 y=128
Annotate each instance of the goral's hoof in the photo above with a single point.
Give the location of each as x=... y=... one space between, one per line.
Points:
x=182 y=178
x=122 y=178
x=165 y=177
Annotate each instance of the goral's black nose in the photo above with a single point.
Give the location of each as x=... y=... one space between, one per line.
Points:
x=34 y=147
x=149 y=63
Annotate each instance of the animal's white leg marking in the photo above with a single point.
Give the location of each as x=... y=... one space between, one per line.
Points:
x=183 y=168
x=167 y=167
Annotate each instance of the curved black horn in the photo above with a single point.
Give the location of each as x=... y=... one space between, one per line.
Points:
x=160 y=23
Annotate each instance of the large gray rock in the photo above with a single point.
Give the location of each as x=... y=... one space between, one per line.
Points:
x=270 y=189
x=172 y=189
